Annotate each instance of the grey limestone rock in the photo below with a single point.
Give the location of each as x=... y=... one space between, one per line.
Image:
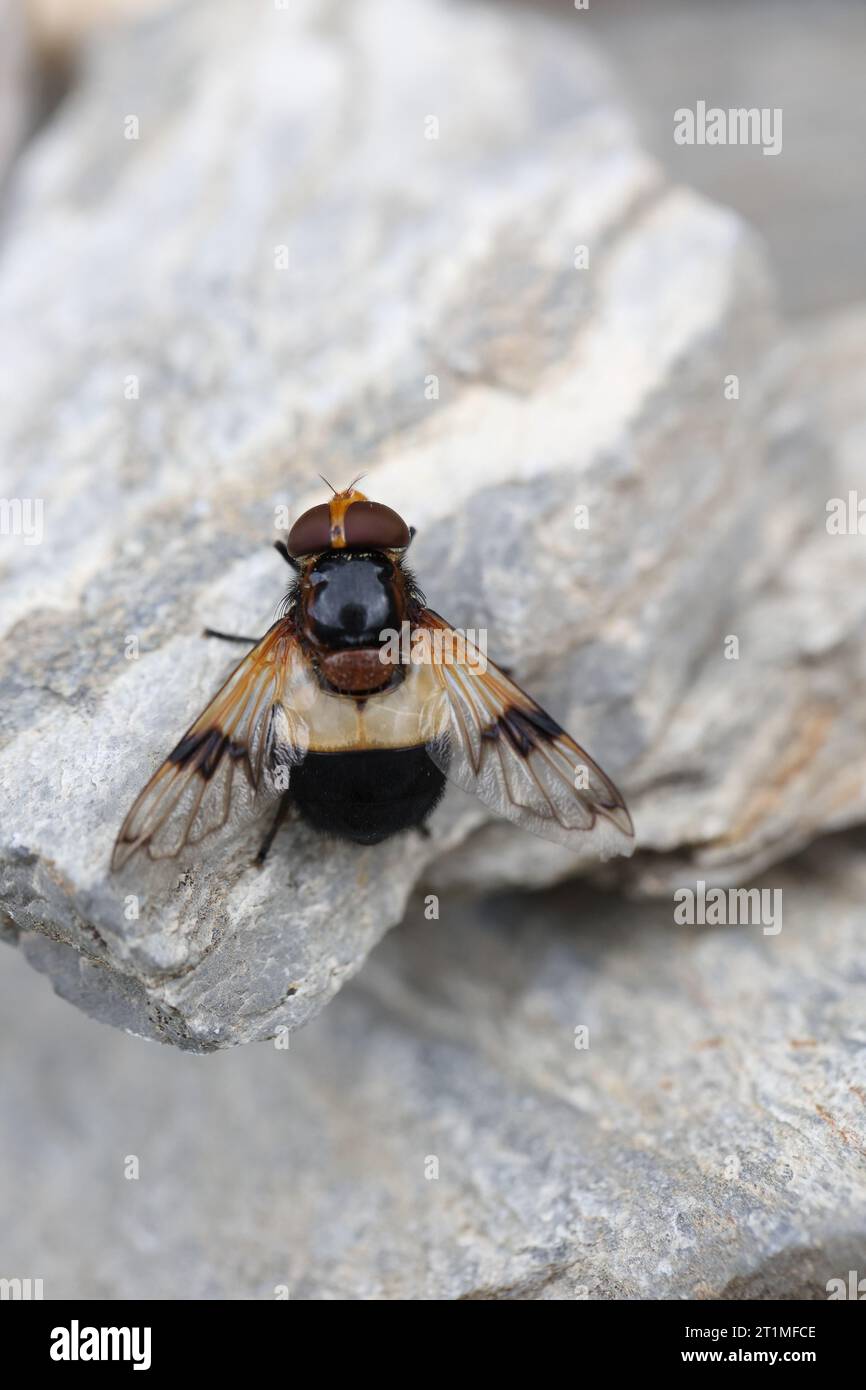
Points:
x=281 y=274
x=436 y=1134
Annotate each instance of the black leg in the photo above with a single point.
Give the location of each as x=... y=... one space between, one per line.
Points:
x=275 y=825
x=229 y=637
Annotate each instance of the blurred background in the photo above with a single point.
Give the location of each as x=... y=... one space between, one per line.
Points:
x=809 y=206
x=435 y=1132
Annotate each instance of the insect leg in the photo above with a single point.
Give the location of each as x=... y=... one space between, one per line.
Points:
x=275 y=825
x=229 y=636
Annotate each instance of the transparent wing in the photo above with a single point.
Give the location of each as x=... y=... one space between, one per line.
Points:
x=238 y=752
x=495 y=741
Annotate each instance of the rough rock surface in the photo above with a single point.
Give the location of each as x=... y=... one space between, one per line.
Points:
x=172 y=385
x=709 y=1142
x=761 y=752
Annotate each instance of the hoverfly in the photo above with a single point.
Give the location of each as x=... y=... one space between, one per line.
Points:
x=315 y=717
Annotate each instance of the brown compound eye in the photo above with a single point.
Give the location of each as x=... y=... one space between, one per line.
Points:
x=373 y=526
x=344 y=524
x=311 y=531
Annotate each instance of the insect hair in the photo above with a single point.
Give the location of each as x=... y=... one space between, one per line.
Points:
x=416 y=594
x=289 y=599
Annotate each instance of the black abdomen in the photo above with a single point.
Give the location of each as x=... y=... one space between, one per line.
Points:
x=366 y=795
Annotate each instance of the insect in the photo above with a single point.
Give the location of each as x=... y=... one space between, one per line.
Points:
x=322 y=716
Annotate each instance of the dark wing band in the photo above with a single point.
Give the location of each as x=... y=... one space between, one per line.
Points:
x=502 y=746
x=238 y=750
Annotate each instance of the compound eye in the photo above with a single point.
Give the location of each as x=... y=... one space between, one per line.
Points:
x=342 y=525
x=311 y=532
x=373 y=526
